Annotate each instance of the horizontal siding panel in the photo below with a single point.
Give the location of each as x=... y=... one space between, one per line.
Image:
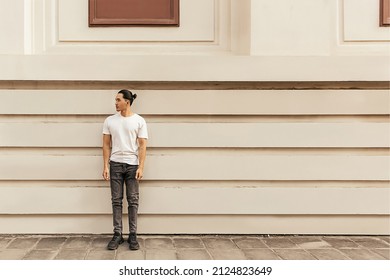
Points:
x=187 y=200
x=196 y=166
x=199 y=184
x=199 y=102
x=368 y=135
x=163 y=66
x=51 y=163
x=201 y=224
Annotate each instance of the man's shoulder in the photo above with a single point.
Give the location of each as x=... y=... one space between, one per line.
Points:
x=139 y=118
x=112 y=117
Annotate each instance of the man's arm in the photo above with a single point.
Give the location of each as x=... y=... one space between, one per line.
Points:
x=141 y=157
x=106 y=156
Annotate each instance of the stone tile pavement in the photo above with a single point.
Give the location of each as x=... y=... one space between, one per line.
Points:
x=196 y=247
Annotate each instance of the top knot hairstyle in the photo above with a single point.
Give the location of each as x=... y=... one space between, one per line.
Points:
x=127 y=94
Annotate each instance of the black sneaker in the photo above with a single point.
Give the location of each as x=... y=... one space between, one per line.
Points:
x=133 y=243
x=115 y=241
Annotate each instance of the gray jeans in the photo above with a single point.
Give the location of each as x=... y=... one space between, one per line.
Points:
x=122 y=173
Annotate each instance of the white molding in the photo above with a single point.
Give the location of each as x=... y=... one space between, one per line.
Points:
x=194 y=68
x=361 y=22
x=155 y=43
x=341 y=46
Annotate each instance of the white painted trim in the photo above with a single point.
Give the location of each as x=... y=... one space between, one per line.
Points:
x=194 y=68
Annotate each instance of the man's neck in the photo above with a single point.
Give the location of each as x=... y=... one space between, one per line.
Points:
x=126 y=113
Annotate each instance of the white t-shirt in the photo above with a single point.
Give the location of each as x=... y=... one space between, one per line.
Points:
x=124 y=132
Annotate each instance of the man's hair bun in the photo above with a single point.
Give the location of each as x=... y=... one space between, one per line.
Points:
x=127 y=94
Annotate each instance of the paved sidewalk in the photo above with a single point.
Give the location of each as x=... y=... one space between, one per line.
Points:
x=196 y=247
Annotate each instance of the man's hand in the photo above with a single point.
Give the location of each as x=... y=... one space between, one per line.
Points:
x=106 y=156
x=106 y=174
x=139 y=174
x=141 y=156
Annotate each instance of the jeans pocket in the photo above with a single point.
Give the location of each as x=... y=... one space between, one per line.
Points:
x=115 y=169
x=131 y=170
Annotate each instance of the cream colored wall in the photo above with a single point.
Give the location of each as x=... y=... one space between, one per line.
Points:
x=12 y=27
x=256 y=40
x=219 y=161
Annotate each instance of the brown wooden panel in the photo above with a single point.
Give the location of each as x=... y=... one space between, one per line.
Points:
x=385 y=13
x=133 y=12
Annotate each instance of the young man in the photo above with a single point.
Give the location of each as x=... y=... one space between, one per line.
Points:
x=126 y=133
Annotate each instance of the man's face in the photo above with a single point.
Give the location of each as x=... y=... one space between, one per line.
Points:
x=120 y=102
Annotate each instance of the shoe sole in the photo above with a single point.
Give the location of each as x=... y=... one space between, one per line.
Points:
x=120 y=242
x=134 y=248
